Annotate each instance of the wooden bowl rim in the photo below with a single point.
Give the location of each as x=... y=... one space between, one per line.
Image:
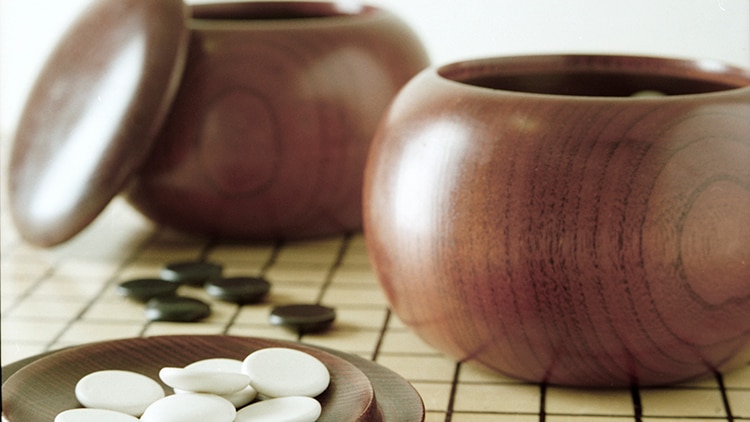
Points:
x=701 y=70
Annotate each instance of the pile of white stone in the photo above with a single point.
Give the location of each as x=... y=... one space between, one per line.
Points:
x=271 y=384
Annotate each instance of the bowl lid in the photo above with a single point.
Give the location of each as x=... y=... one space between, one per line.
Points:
x=94 y=113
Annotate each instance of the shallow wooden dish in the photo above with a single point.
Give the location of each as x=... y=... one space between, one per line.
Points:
x=360 y=390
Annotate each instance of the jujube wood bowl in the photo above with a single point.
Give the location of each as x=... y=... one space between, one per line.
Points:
x=269 y=132
x=530 y=215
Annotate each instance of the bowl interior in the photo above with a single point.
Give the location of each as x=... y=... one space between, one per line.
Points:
x=276 y=10
x=598 y=76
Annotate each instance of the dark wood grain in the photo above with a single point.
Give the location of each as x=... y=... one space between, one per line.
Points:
x=43 y=388
x=93 y=113
x=270 y=130
x=525 y=214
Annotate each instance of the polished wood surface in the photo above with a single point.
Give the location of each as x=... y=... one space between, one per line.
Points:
x=92 y=115
x=526 y=214
x=270 y=130
x=359 y=391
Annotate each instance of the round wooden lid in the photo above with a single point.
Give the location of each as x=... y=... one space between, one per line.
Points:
x=93 y=114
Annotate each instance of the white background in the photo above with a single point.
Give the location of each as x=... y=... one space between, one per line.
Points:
x=452 y=30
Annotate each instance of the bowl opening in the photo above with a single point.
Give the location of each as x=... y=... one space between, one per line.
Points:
x=597 y=76
x=277 y=10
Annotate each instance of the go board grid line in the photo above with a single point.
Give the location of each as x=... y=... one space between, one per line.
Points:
x=206 y=249
x=724 y=397
x=635 y=396
x=106 y=285
x=542 y=402
x=343 y=248
x=28 y=291
x=232 y=319
x=263 y=270
x=381 y=335
x=452 y=395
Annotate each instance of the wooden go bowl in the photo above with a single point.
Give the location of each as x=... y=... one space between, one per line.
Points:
x=269 y=132
x=530 y=215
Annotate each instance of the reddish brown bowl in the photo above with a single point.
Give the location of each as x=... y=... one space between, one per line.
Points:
x=269 y=132
x=527 y=214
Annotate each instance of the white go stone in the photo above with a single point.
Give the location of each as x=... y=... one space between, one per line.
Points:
x=93 y=415
x=282 y=409
x=238 y=399
x=281 y=372
x=121 y=391
x=217 y=365
x=193 y=407
x=199 y=381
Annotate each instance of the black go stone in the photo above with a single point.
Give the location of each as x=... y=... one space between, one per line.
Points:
x=143 y=289
x=191 y=272
x=176 y=309
x=240 y=290
x=303 y=318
